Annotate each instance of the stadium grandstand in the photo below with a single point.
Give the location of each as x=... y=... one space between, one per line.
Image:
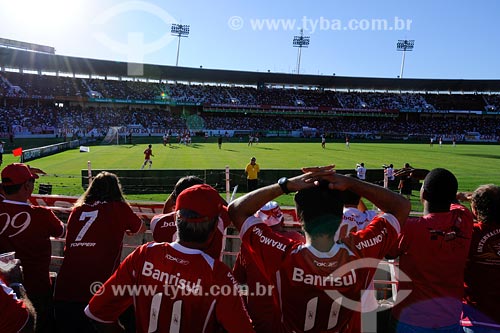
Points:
x=45 y=94
x=110 y=112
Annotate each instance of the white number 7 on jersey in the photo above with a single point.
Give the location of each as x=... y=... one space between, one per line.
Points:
x=92 y=217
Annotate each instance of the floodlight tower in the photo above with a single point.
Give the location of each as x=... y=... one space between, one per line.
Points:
x=404 y=45
x=300 y=42
x=179 y=30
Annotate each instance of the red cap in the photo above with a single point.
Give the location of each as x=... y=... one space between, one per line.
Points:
x=202 y=199
x=16 y=173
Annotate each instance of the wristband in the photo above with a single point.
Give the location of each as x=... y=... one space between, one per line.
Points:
x=15 y=284
x=282 y=182
x=18 y=289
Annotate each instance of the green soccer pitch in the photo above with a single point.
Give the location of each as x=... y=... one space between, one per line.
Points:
x=472 y=164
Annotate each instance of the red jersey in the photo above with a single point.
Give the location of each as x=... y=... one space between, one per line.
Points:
x=173 y=289
x=260 y=303
x=165 y=230
x=319 y=291
x=27 y=229
x=93 y=247
x=14 y=313
x=147 y=153
x=482 y=273
x=435 y=265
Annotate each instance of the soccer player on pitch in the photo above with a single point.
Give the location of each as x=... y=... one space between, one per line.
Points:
x=147 y=157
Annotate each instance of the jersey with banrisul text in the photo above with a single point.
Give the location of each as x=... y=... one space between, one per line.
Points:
x=93 y=247
x=319 y=291
x=173 y=289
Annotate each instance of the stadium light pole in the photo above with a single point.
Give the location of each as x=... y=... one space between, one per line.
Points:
x=179 y=30
x=300 y=42
x=404 y=45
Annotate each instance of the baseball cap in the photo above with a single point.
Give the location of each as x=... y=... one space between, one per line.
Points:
x=16 y=173
x=202 y=199
x=270 y=213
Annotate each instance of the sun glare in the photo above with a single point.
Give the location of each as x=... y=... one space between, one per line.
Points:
x=45 y=15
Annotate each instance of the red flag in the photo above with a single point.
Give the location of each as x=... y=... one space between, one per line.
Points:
x=17 y=151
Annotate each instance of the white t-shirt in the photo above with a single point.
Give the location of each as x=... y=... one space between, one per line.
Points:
x=353 y=220
x=389 y=173
x=361 y=172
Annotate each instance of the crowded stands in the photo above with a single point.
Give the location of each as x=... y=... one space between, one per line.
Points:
x=36 y=86
x=95 y=121
x=301 y=273
x=26 y=109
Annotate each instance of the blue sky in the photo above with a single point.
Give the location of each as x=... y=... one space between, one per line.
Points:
x=453 y=39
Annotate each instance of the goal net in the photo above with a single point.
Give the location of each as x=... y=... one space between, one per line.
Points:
x=113 y=136
x=193 y=121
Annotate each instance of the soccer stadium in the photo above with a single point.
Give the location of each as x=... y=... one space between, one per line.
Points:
x=375 y=184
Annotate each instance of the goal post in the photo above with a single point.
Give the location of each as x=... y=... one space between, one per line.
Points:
x=113 y=136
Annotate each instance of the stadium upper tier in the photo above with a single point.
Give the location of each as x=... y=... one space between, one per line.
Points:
x=59 y=95
x=45 y=62
x=35 y=86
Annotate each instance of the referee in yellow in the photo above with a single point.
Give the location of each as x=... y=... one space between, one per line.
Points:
x=252 y=171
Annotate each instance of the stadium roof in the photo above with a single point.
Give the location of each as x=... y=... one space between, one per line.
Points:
x=58 y=63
